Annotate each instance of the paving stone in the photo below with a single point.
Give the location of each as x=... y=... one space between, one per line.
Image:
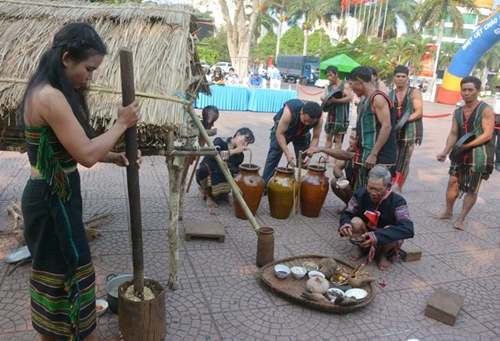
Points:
x=219 y=295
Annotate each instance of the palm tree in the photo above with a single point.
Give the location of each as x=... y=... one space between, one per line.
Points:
x=312 y=11
x=490 y=60
x=418 y=50
x=433 y=13
x=446 y=54
x=264 y=21
x=280 y=6
x=404 y=10
x=398 y=49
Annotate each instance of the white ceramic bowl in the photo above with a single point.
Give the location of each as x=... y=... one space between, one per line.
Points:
x=337 y=291
x=310 y=266
x=342 y=184
x=298 y=272
x=281 y=271
x=100 y=307
x=316 y=273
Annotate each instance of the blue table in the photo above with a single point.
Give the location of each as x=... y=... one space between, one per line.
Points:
x=224 y=98
x=268 y=100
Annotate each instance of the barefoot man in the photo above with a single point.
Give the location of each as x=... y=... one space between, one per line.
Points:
x=406 y=99
x=338 y=116
x=380 y=216
x=477 y=164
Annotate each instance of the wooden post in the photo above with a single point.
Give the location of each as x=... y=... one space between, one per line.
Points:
x=134 y=195
x=175 y=166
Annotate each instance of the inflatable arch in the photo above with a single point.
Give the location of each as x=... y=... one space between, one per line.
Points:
x=481 y=40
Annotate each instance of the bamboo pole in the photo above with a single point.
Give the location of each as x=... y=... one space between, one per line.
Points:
x=134 y=195
x=227 y=174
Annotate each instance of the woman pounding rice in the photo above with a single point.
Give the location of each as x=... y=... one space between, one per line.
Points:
x=54 y=114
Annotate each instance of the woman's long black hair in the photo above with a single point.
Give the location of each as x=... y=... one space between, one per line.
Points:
x=81 y=41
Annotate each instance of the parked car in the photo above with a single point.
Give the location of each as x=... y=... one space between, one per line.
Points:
x=225 y=66
x=205 y=65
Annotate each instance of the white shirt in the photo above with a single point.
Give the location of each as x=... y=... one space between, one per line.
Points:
x=496 y=106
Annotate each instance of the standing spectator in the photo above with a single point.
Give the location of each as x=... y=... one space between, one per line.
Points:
x=255 y=81
x=378 y=84
x=496 y=108
x=374 y=128
x=477 y=164
x=338 y=116
x=406 y=98
x=274 y=73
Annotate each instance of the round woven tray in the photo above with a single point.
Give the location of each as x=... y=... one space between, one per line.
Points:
x=292 y=288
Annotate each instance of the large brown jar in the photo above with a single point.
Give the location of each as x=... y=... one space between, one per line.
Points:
x=251 y=185
x=313 y=190
x=281 y=191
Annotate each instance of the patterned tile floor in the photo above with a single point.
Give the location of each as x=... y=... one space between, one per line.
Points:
x=220 y=297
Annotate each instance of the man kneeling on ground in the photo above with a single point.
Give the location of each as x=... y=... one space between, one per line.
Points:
x=381 y=216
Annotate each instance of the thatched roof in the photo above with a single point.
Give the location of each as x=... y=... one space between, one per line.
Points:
x=166 y=65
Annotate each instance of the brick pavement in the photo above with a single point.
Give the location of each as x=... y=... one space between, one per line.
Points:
x=220 y=297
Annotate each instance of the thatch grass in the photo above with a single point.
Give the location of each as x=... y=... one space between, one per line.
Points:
x=166 y=64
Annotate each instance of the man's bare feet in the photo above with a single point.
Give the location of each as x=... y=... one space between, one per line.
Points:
x=228 y=198
x=444 y=215
x=210 y=202
x=459 y=225
x=383 y=263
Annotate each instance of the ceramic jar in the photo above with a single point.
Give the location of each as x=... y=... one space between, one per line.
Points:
x=313 y=190
x=281 y=192
x=265 y=246
x=251 y=185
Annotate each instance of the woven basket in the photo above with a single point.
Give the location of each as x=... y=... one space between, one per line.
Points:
x=292 y=288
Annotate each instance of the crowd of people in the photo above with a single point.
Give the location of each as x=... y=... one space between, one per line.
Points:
x=54 y=114
x=381 y=143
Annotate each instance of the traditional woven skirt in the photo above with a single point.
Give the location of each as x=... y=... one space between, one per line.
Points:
x=62 y=281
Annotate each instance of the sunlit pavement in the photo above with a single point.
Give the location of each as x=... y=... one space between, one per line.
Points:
x=220 y=296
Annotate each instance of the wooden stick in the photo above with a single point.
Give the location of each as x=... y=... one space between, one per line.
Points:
x=134 y=195
x=298 y=179
x=193 y=173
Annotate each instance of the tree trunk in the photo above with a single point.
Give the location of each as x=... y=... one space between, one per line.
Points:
x=278 y=39
x=239 y=33
x=306 y=40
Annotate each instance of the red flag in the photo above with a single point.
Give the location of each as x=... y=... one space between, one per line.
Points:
x=344 y=4
x=364 y=1
x=356 y=2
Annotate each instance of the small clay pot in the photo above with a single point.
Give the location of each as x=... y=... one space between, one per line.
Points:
x=358 y=281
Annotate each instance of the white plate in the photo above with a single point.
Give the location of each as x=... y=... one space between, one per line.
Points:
x=356 y=293
x=18 y=255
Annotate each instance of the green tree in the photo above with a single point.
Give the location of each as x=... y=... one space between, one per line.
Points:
x=264 y=21
x=265 y=48
x=318 y=42
x=292 y=41
x=489 y=61
x=311 y=11
x=417 y=52
x=398 y=49
x=446 y=54
x=402 y=10
x=434 y=13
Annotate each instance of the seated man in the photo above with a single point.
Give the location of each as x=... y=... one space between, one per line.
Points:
x=381 y=216
x=255 y=81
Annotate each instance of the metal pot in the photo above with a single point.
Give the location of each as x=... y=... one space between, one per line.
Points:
x=114 y=283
